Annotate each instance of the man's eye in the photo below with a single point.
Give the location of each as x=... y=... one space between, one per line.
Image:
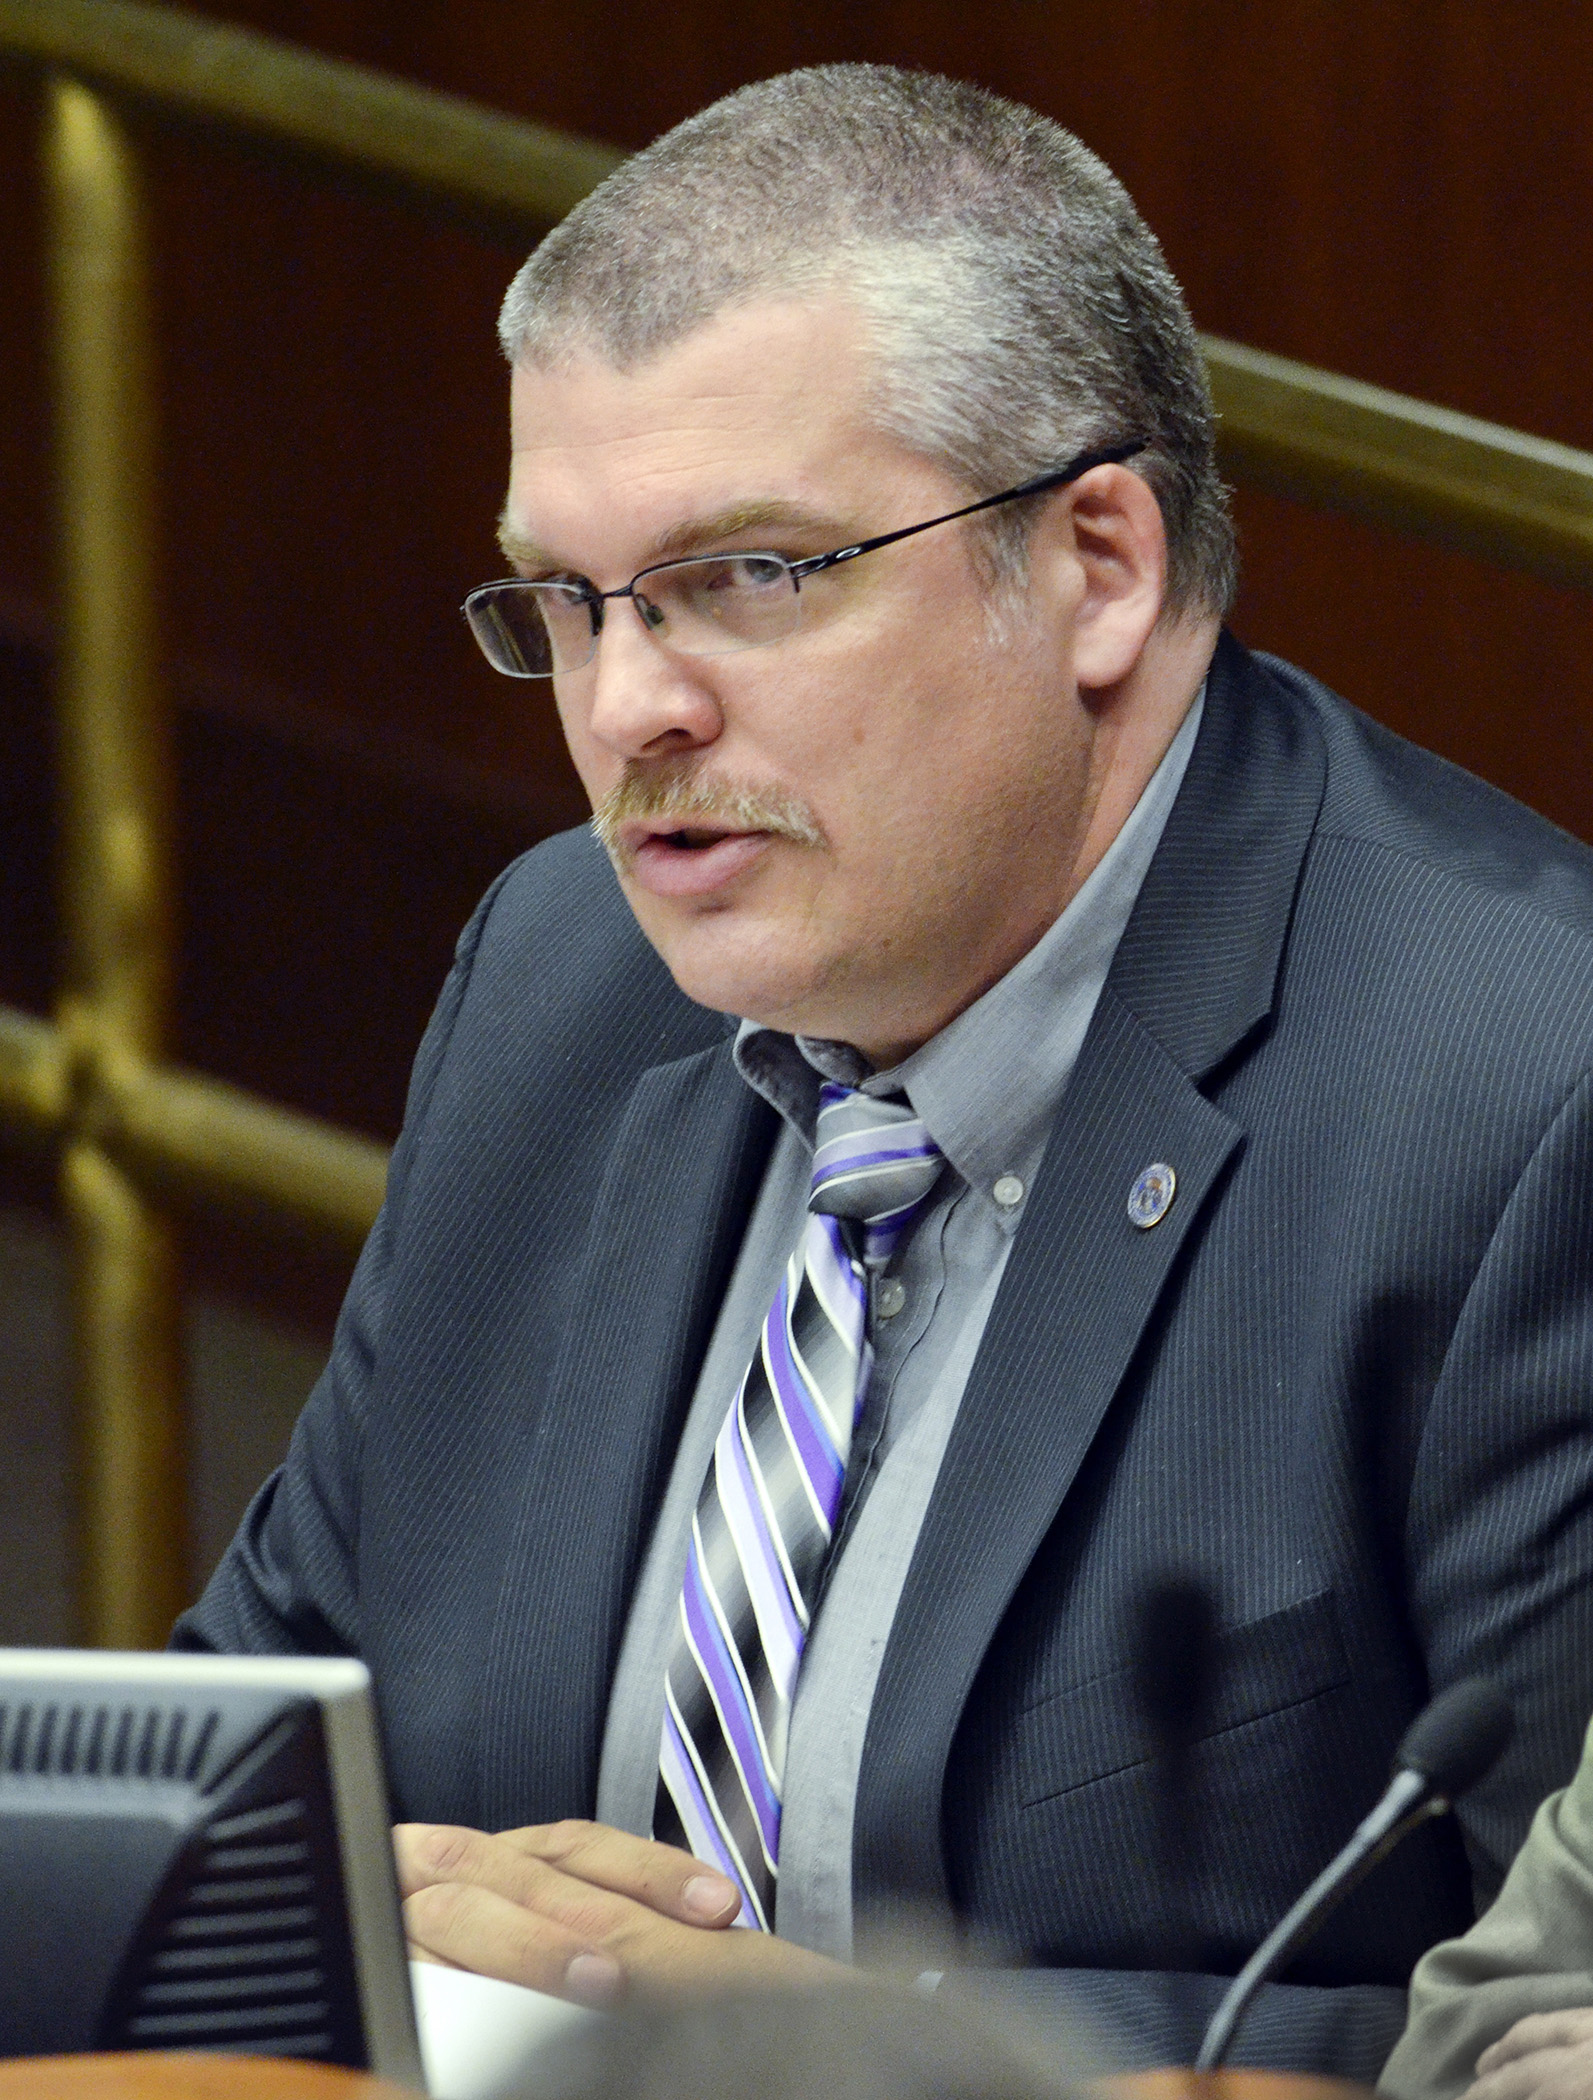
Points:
x=745 y=572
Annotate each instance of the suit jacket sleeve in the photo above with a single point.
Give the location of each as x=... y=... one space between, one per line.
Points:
x=1499 y=1533
x=288 y=1583
x=1532 y=1952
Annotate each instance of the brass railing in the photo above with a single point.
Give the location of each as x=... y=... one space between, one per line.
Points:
x=136 y=1136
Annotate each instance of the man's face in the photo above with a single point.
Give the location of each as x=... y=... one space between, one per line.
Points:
x=915 y=778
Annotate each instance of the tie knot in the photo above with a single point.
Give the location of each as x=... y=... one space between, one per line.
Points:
x=873 y=1159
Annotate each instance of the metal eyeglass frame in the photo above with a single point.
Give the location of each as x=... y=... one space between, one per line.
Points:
x=814 y=564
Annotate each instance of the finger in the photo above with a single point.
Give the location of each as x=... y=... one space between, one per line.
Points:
x=1545 y=2074
x=416 y=1952
x=445 y=1855
x=431 y=1852
x=475 y=1928
x=1510 y=2081
x=1555 y=2030
x=662 y=1877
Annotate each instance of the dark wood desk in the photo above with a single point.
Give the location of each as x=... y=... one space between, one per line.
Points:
x=155 y=2075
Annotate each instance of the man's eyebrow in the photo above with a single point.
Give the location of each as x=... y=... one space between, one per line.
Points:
x=702 y=535
x=517 y=547
x=694 y=535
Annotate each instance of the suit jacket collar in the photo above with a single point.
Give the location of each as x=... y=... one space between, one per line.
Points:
x=1200 y=961
x=1194 y=977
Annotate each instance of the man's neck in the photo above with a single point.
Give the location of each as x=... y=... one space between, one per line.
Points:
x=1137 y=722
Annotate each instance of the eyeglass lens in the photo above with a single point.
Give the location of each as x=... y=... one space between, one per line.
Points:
x=703 y=607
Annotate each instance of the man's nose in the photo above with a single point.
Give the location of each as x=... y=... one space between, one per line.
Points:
x=646 y=700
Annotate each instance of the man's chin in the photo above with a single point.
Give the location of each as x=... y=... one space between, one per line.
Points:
x=750 y=979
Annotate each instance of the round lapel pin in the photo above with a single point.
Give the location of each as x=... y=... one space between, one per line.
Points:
x=1150 y=1199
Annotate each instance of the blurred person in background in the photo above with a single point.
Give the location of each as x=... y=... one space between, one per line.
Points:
x=1505 y=2012
x=1010 y=1091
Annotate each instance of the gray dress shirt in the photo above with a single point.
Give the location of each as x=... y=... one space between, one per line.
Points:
x=988 y=1087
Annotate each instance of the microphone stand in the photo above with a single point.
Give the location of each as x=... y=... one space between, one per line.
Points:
x=1410 y=1800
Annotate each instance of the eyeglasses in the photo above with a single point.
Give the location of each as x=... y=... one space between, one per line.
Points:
x=707 y=605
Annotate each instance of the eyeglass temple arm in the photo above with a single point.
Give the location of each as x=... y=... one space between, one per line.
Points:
x=1052 y=478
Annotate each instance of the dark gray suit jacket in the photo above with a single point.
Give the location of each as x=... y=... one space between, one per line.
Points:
x=1350 y=1374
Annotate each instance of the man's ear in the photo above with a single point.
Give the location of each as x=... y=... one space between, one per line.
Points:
x=1108 y=533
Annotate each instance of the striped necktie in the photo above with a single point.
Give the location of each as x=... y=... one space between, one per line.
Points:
x=764 y=1517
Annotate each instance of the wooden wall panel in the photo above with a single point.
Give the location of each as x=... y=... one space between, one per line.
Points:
x=1398 y=193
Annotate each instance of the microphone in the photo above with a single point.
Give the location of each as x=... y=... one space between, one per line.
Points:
x=1449 y=1746
x=1175 y=1653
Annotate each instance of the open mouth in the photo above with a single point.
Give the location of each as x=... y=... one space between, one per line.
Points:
x=691 y=859
x=662 y=836
x=693 y=840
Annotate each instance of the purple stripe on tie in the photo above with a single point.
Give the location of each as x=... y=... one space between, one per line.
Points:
x=866 y=1163
x=901 y=1140
x=698 y=1818
x=723 y=1680
x=882 y=1234
x=815 y=1450
x=739 y=1494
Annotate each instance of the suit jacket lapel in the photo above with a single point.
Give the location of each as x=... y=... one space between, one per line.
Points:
x=1194 y=976
x=678 y=1187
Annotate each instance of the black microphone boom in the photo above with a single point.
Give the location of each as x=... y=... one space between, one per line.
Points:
x=1449 y=1746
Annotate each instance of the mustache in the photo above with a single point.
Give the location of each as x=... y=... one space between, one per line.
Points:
x=681 y=792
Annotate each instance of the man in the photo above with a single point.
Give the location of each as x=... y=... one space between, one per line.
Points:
x=1172 y=1082
x=1506 y=2011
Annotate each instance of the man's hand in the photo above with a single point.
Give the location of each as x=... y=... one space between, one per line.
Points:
x=1548 y=2056
x=582 y=1911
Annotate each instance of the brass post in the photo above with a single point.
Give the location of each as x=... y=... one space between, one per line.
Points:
x=116 y=780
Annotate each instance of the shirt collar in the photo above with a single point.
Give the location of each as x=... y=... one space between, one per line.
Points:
x=988 y=1084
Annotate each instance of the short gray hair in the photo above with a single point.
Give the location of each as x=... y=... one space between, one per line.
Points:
x=1020 y=307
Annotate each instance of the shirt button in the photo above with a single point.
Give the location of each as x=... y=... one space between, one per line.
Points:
x=889 y=1297
x=1008 y=1191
